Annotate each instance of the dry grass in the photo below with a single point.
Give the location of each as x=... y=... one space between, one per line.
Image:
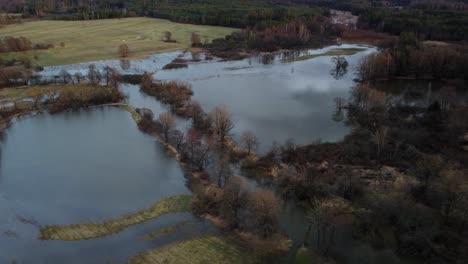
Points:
x=25 y=92
x=365 y=37
x=100 y=39
x=208 y=249
x=92 y=230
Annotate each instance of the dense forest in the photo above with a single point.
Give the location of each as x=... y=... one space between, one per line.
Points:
x=433 y=20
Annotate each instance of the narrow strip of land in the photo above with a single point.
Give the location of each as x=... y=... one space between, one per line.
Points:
x=90 y=230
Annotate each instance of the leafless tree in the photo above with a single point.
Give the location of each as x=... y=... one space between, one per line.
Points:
x=176 y=138
x=93 y=74
x=146 y=80
x=66 y=77
x=196 y=40
x=380 y=137
x=264 y=208
x=249 y=140
x=222 y=122
x=123 y=50
x=78 y=77
x=168 y=122
x=235 y=198
x=324 y=217
x=222 y=170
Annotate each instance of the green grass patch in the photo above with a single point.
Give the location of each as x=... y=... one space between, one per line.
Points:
x=133 y=112
x=207 y=249
x=92 y=230
x=166 y=230
x=99 y=39
x=335 y=52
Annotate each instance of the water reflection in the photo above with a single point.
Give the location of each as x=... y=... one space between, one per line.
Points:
x=125 y=64
x=276 y=101
x=340 y=67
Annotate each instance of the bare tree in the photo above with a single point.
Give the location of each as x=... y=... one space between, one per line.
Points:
x=234 y=200
x=168 y=122
x=78 y=77
x=380 y=137
x=324 y=217
x=93 y=74
x=222 y=122
x=176 y=138
x=222 y=170
x=146 y=81
x=196 y=40
x=249 y=140
x=66 y=77
x=123 y=50
x=264 y=208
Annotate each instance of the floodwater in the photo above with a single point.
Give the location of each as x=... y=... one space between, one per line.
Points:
x=95 y=164
x=80 y=166
x=275 y=100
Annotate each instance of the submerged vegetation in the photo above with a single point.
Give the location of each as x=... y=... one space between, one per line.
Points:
x=166 y=230
x=335 y=52
x=90 y=230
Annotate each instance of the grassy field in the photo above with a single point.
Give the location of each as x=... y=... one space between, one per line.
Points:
x=209 y=249
x=100 y=39
x=92 y=230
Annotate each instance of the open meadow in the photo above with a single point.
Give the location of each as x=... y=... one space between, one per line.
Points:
x=99 y=39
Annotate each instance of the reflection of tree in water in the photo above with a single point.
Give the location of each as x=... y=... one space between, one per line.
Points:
x=291 y=55
x=341 y=67
x=267 y=59
x=125 y=64
x=338 y=114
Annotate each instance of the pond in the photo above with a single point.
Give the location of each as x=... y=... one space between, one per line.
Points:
x=81 y=166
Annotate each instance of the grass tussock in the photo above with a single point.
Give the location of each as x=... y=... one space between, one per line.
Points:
x=208 y=249
x=91 y=230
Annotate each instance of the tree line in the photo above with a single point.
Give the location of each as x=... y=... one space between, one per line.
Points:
x=409 y=57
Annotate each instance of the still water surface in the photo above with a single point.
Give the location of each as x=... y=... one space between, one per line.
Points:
x=79 y=166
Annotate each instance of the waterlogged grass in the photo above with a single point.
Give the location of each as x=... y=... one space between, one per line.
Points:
x=166 y=230
x=25 y=92
x=100 y=39
x=207 y=249
x=92 y=230
x=132 y=111
x=335 y=52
